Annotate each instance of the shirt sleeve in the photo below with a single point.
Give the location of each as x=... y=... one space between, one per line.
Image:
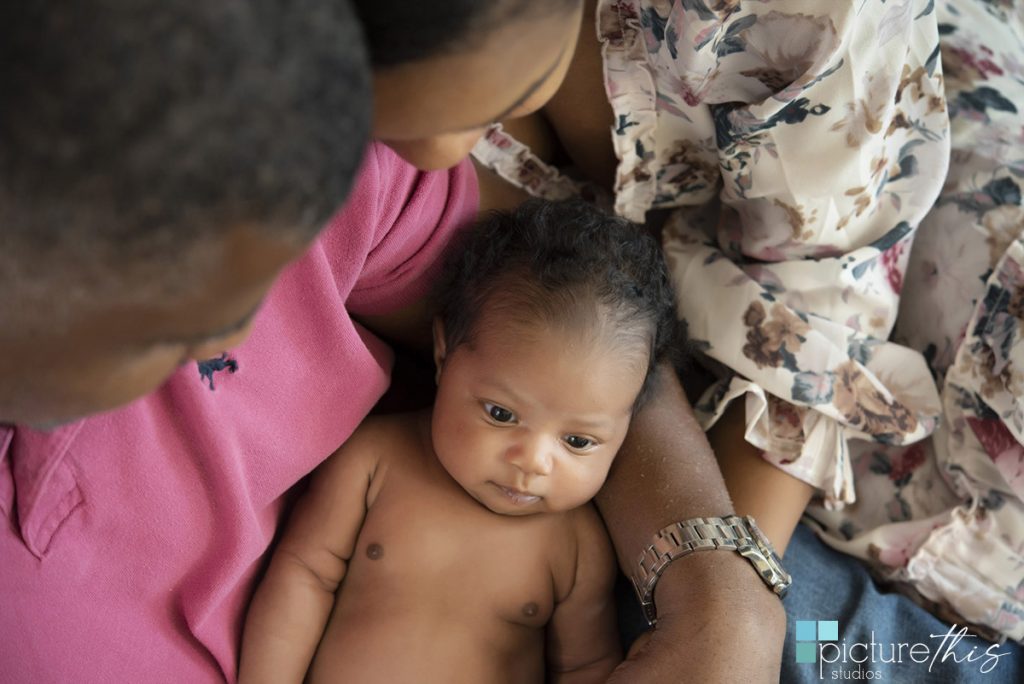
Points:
x=804 y=142
x=386 y=245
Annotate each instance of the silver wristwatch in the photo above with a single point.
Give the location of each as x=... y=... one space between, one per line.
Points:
x=679 y=539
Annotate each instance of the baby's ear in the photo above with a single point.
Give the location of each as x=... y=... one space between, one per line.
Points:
x=439 y=348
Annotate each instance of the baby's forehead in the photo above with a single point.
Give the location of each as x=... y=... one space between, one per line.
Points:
x=584 y=343
x=579 y=317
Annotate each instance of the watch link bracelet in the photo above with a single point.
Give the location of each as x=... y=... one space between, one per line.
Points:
x=735 y=533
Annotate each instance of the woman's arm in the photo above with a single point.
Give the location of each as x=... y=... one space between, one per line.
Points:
x=579 y=113
x=758 y=488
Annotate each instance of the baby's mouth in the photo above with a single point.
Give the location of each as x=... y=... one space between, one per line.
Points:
x=517 y=496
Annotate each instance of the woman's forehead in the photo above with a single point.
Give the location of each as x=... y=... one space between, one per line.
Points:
x=468 y=89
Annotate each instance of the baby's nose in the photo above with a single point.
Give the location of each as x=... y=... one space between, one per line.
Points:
x=533 y=457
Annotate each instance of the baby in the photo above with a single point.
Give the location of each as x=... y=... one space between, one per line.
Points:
x=459 y=544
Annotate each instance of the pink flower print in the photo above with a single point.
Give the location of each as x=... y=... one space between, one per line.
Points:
x=992 y=434
x=904 y=463
x=1004 y=450
x=786 y=419
x=893 y=264
x=989 y=67
x=983 y=67
x=1005 y=620
x=895 y=553
x=497 y=137
x=626 y=10
x=1011 y=275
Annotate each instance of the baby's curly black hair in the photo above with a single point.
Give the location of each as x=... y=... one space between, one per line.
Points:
x=562 y=262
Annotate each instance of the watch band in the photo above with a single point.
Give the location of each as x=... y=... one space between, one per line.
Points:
x=734 y=533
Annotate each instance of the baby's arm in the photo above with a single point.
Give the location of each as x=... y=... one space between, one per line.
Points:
x=289 y=611
x=582 y=637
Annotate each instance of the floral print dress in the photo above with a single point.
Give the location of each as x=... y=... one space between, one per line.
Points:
x=847 y=247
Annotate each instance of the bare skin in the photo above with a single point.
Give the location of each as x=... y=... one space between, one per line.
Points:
x=432 y=112
x=461 y=536
x=775 y=499
x=707 y=599
x=436 y=588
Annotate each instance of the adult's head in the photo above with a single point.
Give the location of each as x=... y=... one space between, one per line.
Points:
x=160 y=162
x=444 y=71
x=551 y=320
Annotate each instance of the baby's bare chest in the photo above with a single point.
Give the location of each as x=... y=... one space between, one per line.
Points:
x=426 y=545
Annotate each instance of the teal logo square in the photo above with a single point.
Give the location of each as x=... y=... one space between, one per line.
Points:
x=828 y=630
x=809 y=633
x=807 y=652
x=806 y=630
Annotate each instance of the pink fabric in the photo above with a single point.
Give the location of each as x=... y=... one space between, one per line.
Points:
x=131 y=539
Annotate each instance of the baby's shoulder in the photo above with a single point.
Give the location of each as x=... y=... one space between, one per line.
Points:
x=578 y=527
x=581 y=550
x=584 y=521
x=565 y=529
x=593 y=542
x=390 y=437
x=379 y=448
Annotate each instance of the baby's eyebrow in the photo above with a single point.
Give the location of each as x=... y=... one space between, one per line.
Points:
x=502 y=389
x=590 y=423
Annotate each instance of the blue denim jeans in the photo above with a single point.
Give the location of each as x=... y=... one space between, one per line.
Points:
x=861 y=623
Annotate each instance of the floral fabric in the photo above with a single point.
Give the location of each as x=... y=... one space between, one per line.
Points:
x=513 y=160
x=859 y=283
x=945 y=516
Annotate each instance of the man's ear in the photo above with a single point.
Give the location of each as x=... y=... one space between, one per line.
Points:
x=440 y=348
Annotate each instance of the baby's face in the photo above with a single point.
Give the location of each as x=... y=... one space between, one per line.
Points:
x=528 y=418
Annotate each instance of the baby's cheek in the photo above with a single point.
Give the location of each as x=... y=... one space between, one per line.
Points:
x=600 y=473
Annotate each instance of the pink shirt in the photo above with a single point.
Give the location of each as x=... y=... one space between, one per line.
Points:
x=131 y=539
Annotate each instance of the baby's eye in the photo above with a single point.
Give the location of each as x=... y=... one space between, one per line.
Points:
x=499 y=414
x=578 y=443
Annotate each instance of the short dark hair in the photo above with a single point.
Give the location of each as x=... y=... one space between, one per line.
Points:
x=149 y=125
x=403 y=31
x=562 y=260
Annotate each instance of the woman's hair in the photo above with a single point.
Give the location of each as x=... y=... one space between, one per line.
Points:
x=563 y=263
x=403 y=31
